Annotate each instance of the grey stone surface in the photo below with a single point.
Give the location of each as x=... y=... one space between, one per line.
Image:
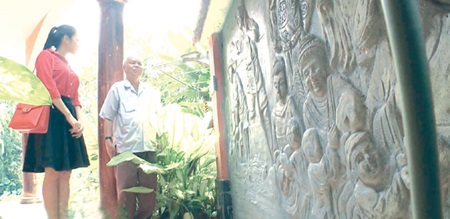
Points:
x=314 y=126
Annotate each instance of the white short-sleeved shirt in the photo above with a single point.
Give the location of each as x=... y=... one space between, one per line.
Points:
x=131 y=113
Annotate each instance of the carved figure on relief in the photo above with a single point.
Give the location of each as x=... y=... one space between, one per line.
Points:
x=387 y=122
x=248 y=66
x=323 y=171
x=351 y=119
x=328 y=177
x=294 y=185
x=285 y=107
x=376 y=192
x=368 y=31
x=373 y=197
x=290 y=20
x=387 y=130
x=324 y=87
x=239 y=116
x=338 y=39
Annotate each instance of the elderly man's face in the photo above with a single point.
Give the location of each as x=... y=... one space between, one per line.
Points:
x=133 y=67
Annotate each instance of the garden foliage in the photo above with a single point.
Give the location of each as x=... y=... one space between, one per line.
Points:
x=186 y=164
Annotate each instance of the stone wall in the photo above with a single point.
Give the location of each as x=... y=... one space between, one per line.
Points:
x=313 y=123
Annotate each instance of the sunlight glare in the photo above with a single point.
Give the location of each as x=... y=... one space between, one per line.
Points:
x=161 y=16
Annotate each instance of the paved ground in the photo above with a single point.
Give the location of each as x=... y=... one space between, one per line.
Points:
x=14 y=210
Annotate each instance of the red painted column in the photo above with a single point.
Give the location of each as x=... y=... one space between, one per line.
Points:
x=224 y=202
x=110 y=56
x=216 y=67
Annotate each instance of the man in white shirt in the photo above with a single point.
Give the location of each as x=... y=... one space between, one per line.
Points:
x=125 y=114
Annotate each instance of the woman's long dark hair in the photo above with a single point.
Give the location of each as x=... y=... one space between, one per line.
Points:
x=57 y=33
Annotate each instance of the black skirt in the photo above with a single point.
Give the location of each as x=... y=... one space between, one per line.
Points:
x=57 y=148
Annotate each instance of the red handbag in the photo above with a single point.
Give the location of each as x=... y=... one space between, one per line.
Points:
x=30 y=118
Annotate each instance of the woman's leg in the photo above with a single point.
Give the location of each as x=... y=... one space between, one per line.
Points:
x=50 y=194
x=64 y=193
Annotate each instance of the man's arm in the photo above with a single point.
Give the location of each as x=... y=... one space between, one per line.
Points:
x=108 y=112
x=109 y=138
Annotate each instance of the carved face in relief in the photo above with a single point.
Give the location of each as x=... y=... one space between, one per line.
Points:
x=311 y=145
x=367 y=162
x=351 y=112
x=314 y=72
x=280 y=85
x=279 y=78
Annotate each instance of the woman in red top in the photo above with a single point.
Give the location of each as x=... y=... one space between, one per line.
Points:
x=62 y=148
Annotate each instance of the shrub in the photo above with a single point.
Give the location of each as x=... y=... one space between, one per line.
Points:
x=186 y=165
x=10 y=154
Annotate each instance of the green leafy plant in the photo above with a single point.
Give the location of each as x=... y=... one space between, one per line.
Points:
x=186 y=165
x=184 y=82
x=10 y=154
x=18 y=83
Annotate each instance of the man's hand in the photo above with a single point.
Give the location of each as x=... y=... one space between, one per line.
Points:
x=110 y=148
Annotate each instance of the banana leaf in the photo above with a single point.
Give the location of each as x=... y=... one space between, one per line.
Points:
x=138 y=189
x=125 y=156
x=19 y=84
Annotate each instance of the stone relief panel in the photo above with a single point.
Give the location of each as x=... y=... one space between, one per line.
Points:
x=314 y=124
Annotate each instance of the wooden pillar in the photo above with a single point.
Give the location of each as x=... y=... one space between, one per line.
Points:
x=29 y=181
x=224 y=202
x=110 y=56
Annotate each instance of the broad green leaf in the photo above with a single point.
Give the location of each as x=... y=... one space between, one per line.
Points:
x=162 y=181
x=179 y=175
x=173 y=184
x=209 y=160
x=151 y=168
x=138 y=189
x=203 y=187
x=172 y=166
x=174 y=211
x=179 y=194
x=19 y=84
x=190 y=192
x=206 y=176
x=195 y=186
x=125 y=156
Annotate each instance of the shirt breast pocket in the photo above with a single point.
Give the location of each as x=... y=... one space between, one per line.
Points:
x=128 y=113
x=129 y=107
